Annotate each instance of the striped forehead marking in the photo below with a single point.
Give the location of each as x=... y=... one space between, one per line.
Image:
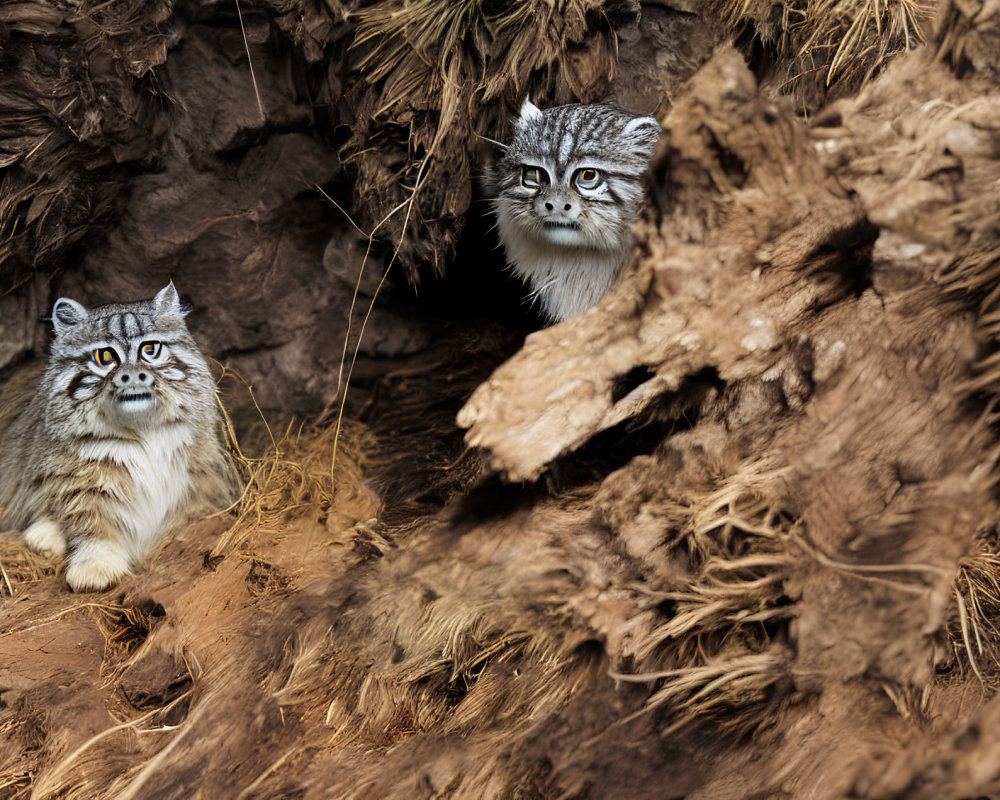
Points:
x=570 y=135
x=566 y=147
x=127 y=326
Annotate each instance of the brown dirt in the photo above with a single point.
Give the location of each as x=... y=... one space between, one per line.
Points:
x=729 y=534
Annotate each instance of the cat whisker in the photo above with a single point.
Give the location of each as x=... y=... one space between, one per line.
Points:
x=501 y=145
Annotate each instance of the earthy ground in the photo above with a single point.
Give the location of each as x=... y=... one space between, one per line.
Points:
x=729 y=534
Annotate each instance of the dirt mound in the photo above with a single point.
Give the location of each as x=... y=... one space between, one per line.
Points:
x=730 y=533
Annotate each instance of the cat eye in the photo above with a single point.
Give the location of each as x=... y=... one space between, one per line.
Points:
x=587 y=178
x=104 y=356
x=150 y=350
x=534 y=177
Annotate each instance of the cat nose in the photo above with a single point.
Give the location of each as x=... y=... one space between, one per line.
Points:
x=133 y=377
x=557 y=205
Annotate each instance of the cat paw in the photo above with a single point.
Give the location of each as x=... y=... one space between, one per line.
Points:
x=44 y=536
x=96 y=565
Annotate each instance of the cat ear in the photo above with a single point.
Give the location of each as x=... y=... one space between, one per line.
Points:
x=167 y=302
x=644 y=131
x=529 y=113
x=67 y=313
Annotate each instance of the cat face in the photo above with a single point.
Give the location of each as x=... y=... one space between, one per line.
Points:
x=571 y=176
x=132 y=365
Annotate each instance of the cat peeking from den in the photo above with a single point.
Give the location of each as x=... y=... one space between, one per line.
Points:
x=120 y=441
x=566 y=192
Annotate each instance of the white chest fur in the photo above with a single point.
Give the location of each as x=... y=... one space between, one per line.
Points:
x=158 y=467
x=565 y=280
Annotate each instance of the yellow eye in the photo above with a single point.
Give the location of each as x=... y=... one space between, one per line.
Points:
x=150 y=350
x=104 y=357
x=587 y=178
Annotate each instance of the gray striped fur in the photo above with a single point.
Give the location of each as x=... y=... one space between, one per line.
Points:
x=568 y=241
x=105 y=456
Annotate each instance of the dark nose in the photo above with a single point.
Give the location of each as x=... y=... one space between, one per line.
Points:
x=550 y=207
x=133 y=377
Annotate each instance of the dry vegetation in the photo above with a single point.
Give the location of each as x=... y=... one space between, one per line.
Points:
x=824 y=45
x=731 y=533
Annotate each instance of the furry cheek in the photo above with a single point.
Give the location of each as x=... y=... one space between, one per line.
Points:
x=603 y=227
x=521 y=212
x=83 y=386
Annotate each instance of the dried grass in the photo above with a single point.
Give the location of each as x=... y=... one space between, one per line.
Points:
x=745 y=505
x=976 y=636
x=414 y=50
x=61 y=777
x=729 y=595
x=732 y=690
x=928 y=135
x=716 y=645
x=299 y=471
x=836 y=44
x=15 y=785
x=20 y=567
x=436 y=77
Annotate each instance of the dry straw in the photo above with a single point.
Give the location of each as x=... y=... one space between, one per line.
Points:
x=834 y=41
x=416 y=49
x=977 y=594
x=297 y=471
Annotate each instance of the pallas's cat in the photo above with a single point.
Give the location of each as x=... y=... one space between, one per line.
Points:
x=566 y=192
x=120 y=440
